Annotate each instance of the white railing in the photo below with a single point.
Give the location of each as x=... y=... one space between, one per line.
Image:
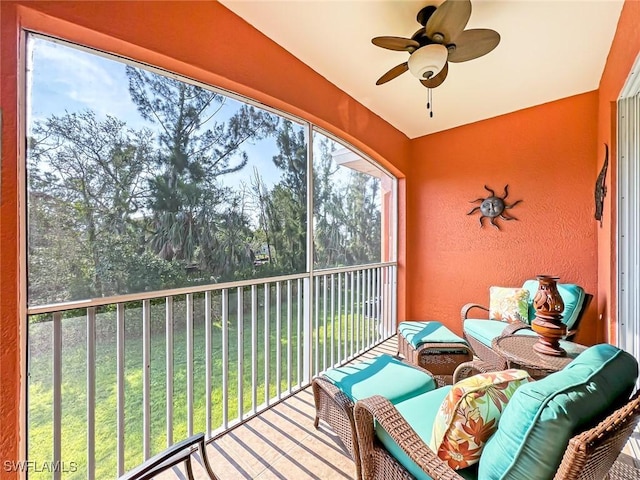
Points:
x=130 y=375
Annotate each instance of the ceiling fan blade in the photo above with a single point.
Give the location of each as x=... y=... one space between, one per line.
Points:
x=396 y=43
x=448 y=20
x=393 y=73
x=438 y=79
x=474 y=43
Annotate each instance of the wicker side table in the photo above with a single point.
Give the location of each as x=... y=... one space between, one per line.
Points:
x=518 y=352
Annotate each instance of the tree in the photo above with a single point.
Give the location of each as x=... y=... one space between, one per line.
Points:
x=328 y=208
x=347 y=220
x=197 y=146
x=86 y=178
x=363 y=219
x=287 y=207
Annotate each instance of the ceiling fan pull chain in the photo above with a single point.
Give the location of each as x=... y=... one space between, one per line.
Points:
x=430 y=101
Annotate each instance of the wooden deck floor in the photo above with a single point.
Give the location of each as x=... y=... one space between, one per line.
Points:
x=282 y=443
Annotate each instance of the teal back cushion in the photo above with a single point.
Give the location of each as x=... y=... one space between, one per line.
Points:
x=572 y=297
x=382 y=375
x=542 y=416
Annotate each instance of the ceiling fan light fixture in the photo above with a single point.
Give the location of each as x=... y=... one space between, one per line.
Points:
x=428 y=61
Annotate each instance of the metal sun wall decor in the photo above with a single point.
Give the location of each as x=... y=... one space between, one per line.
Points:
x=493 y=207
x=601 y=188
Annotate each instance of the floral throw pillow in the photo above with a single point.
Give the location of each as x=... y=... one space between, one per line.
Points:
x=509 y=304
x=470 y=413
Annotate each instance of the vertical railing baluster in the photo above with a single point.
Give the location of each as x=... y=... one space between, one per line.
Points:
x=366 y=307
x=387 y=307
x=289 y=352
x=339 y=339
x=305 y=326
x=240 y=293
x=352 y=310
x=394 y=300
x=358 y=307
x=333 y=322
x=168 y=318
x=146 y=378
x=254 y=348
x=390 y=306
x=267 y=349
x=346 y=316
x=316 y=298
x=369 y=304
x=189 y=364
x=57 y=391
x=372 y=325
x=91 y=392
x=299 y=333
x=207 y=361
x=225 y=358
x=378 y=322
x=120 y=372
x=324 y=322
x=279 y=340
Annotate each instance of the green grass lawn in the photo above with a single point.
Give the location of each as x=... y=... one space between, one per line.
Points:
x=74 y=372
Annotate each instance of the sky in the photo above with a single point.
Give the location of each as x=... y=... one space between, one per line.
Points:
x=66 y=79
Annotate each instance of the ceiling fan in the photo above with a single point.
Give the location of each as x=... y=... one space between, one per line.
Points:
x=441 y=39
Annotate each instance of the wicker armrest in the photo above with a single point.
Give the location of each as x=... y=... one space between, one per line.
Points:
x=324 y=385
x=401 y=432
x=596 y=450
x=469 y=369
x=464 y=313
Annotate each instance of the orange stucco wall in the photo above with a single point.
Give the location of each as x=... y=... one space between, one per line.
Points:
x=546 y=155
x=624 y=50
x=202 y=40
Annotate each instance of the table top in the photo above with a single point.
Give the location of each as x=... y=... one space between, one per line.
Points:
x=518 y=351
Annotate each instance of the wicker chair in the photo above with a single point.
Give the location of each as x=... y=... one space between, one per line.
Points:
x=589 y=455
x=336 y=409
x=485 y=352
x=181 y=452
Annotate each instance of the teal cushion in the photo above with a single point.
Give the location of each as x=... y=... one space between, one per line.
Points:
x=572 y=297
x=542 y=416
x=419 y=412
x=383 y=375
x=417 y=333
x=485 y=330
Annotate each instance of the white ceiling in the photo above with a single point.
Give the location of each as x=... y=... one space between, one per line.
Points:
x=548 y=50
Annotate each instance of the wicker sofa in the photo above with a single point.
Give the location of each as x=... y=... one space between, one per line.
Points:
x=575 y=430
x=479 y=330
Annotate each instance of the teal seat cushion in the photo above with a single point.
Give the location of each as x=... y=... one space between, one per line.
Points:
x=542 y=416
x=383 y=375
x=419 y=412
x=417 y=333
x=485 y=330
x=572 y=297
